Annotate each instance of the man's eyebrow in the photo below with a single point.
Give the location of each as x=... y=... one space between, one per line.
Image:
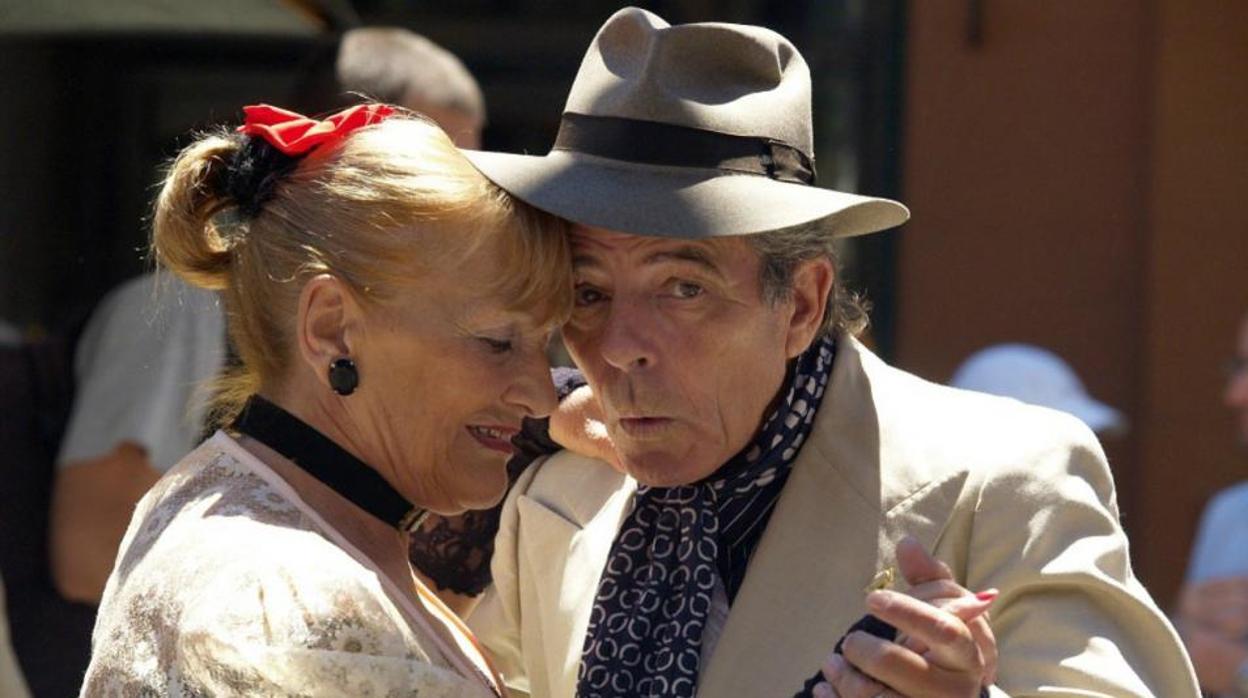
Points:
x=687 y=253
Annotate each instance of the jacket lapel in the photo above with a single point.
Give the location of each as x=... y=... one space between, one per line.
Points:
x=833 y=529
x=566 y=535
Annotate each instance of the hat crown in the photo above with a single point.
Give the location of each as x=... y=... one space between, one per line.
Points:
x=729 y=78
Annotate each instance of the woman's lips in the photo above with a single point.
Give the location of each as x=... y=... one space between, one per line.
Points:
x=645 y=427
x=493 y=437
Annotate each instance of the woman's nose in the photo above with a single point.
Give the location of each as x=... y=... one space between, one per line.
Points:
x=533 y=392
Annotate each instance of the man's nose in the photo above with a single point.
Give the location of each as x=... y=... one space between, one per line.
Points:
x=628 y=336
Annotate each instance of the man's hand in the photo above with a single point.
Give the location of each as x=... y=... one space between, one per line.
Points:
x=945 y=646
x=578 y=425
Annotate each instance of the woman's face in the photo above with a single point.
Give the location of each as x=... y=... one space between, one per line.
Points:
x=447 y=373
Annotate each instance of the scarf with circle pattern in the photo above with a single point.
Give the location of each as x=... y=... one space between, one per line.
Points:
x=654 y=598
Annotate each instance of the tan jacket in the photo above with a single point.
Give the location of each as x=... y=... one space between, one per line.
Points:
x=1010 y=496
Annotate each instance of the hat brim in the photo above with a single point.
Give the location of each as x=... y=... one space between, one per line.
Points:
x=677 y=202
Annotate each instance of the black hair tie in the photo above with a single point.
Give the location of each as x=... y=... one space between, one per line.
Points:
x=253 y=174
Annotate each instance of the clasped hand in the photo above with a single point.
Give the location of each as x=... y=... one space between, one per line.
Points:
x=944 y=648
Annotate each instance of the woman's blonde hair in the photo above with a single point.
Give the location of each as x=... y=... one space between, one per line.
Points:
x=376 y=209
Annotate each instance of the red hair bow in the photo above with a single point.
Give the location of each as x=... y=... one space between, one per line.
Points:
x=295 y=134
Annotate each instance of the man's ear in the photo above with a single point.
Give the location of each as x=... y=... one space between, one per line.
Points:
x=812 y=284
x=329 y=323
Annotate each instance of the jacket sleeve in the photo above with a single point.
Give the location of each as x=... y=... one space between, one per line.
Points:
x=496 y=620
x=1072 y=620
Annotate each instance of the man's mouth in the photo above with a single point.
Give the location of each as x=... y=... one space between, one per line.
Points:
x=495 y=438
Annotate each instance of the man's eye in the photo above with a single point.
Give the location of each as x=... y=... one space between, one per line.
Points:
x=498 y=346
x=588 y=295
x=686 y=289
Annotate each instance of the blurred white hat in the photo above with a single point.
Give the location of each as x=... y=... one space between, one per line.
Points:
x=1038 y=377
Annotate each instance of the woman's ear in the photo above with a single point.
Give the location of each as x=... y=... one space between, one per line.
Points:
x=812 y=284
x=329 y=323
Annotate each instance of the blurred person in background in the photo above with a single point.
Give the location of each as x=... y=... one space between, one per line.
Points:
x=12 y=685
x=1213 y=603
x=152 y=344
x=391 y=308
x=395 y=66
x=1036 y=376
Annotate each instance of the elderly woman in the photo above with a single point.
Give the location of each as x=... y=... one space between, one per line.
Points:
x=390 y=307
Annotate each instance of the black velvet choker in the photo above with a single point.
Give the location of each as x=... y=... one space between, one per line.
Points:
x=328 y=462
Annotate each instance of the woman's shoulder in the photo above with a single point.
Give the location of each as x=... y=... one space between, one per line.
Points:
x=221 y=522
x=224 y=579
x=208 y=500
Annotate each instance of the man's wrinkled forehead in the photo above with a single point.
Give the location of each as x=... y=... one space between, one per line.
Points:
x=601 y=248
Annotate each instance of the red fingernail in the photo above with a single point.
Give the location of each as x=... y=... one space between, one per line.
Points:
x=988 y=594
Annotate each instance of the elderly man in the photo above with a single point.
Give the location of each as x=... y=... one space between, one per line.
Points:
x=769 y=464
x=1213 y=608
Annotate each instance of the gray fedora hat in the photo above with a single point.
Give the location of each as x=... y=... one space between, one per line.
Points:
x=691 y=131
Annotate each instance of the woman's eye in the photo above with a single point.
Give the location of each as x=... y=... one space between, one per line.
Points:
x=498 y=346
x=686 y=289
x=588 y=295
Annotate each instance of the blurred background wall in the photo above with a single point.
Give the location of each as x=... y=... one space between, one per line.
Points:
x=1076 y=173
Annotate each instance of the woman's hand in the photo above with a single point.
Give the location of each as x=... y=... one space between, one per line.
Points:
x=579 y=425
x=945 y=646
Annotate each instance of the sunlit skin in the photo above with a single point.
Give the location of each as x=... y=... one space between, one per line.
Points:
x=679 y=345
x=1236 y=396
x=447 y=373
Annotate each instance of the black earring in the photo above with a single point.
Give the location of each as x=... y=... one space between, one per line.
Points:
x=343 y=376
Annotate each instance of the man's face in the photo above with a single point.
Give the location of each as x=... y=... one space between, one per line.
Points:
x=678 y=344
x=1236 y=396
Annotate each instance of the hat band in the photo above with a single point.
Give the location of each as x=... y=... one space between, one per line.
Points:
x=656 y=143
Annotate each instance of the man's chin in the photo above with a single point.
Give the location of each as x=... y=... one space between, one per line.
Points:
x=661 y=471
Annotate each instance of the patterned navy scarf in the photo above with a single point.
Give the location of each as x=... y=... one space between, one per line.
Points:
x=654 y=599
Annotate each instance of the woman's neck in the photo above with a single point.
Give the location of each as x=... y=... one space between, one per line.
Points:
x=378 y=540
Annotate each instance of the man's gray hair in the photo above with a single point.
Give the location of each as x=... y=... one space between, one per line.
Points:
x=781 y=251
x=398 y=66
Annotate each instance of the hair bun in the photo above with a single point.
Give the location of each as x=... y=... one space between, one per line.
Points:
x=253 y=173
